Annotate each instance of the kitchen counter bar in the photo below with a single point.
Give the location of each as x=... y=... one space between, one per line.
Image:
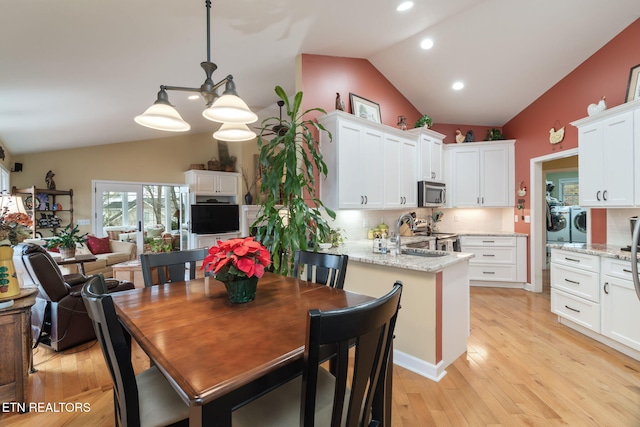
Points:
x=433 y=325
x=362 y=251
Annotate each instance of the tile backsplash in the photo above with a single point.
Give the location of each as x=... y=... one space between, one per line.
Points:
x=618 y=230
x=356 y=223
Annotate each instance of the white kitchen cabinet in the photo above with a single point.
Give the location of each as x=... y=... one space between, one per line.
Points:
x=481 y=174
x=207 y=240
x=606 y=162
x=500 y=261
x=430 y=154
x=400 y=172
x=574 y=288
x=609 y=157
x=355 y=163
x=212 y=183
x=620 y=305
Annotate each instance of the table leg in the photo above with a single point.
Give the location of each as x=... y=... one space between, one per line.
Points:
x=213 y=414
x=81 y=268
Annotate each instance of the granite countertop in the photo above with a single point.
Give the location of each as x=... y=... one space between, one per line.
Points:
x=480 y=233
x=362 y=251
x=608 y=251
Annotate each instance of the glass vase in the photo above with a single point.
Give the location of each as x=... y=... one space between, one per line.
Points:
x=242 y=290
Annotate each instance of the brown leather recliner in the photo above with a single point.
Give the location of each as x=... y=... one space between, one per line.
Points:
x=58 y=318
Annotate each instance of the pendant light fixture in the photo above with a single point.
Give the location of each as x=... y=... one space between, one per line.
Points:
x=227 y=109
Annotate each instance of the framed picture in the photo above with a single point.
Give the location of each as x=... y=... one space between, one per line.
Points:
x=633 y=89
x=364 y=108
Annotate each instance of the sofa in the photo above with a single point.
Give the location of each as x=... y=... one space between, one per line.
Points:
x=116 y=253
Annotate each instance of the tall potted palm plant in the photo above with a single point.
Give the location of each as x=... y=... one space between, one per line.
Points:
x=287 y=222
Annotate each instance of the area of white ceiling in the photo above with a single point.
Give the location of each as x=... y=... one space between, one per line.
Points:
x=75 y=74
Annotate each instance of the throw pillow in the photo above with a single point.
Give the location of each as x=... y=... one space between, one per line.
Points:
x=98 y=245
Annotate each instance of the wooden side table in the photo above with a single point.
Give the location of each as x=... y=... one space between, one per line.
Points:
x=15 y=354
x=132 y=272
x=78 y=259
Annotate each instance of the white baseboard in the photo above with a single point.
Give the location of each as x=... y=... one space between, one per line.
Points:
x=485 y=284
x=419 y=366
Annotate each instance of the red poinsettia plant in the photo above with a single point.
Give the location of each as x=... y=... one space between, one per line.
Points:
x=237 y=258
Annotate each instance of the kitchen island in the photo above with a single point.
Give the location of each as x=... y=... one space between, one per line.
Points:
x=433 y=323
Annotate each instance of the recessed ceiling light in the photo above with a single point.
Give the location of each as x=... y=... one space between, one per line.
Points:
x=192 y=97
x=457 y=85
x=405 y=5
x=426 y=44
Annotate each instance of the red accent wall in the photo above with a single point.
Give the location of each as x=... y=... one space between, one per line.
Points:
x=323 y=76
x=605 y=73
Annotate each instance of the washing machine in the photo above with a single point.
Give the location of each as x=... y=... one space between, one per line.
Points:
x=578 y=224
x=561 y=225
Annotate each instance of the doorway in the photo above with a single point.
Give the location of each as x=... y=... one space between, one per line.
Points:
x=538 y=233
x=153 y=216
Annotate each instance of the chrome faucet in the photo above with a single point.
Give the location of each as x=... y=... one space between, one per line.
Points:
x=398 y=224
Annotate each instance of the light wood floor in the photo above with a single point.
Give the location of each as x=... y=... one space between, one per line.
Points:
x=522 y=368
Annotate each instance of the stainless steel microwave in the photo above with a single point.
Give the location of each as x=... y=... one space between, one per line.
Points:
x=431 y=194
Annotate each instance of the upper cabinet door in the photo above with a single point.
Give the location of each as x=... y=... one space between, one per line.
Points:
x=606 y=162
x=430 y=165
x=496 y=169
x=482 y=174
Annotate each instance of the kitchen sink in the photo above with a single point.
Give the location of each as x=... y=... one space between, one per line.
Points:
x=429 y=254
x=423 y=244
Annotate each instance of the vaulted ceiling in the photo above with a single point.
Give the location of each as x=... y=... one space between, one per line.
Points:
x=75 y=73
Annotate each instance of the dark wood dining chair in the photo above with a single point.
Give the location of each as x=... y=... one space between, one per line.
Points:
x=171 y=266
x=323 y=268
x=146 y=399
x=309 y=400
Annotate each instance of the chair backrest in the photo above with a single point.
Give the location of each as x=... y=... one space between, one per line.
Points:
x=37 y=266
x=171 y=266
x=323 y=268
x=116 y=348
x=370 y=326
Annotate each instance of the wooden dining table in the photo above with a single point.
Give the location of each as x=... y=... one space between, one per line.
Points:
x=218 y=355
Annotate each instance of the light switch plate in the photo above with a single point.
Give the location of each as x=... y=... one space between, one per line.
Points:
x=84 y=222
x=527 y=218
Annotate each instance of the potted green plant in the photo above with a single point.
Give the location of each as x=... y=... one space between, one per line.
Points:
x=67 y=240
x=289 y=161
x=424 y=121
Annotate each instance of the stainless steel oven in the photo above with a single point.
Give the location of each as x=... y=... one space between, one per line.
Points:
x=431 y=194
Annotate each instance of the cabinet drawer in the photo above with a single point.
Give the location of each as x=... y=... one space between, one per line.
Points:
x=617 y=268
x=578 y=310
x=576 y=259
x=493 y=273
x=584 y=284
x=487 y=241
x=491 y=255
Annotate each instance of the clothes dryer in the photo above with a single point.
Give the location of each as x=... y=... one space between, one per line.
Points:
x=561 y=225
x=578 y=224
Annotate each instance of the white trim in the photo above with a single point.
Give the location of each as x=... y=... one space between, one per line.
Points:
x=419 y=366
x=537 y=234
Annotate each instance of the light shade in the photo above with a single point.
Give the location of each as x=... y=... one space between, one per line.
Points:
x=234 y=132
x=229 y=109
x=162 y=116
x=11 y=204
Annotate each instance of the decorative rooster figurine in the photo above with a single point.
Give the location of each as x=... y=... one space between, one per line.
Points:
x=556 y=136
